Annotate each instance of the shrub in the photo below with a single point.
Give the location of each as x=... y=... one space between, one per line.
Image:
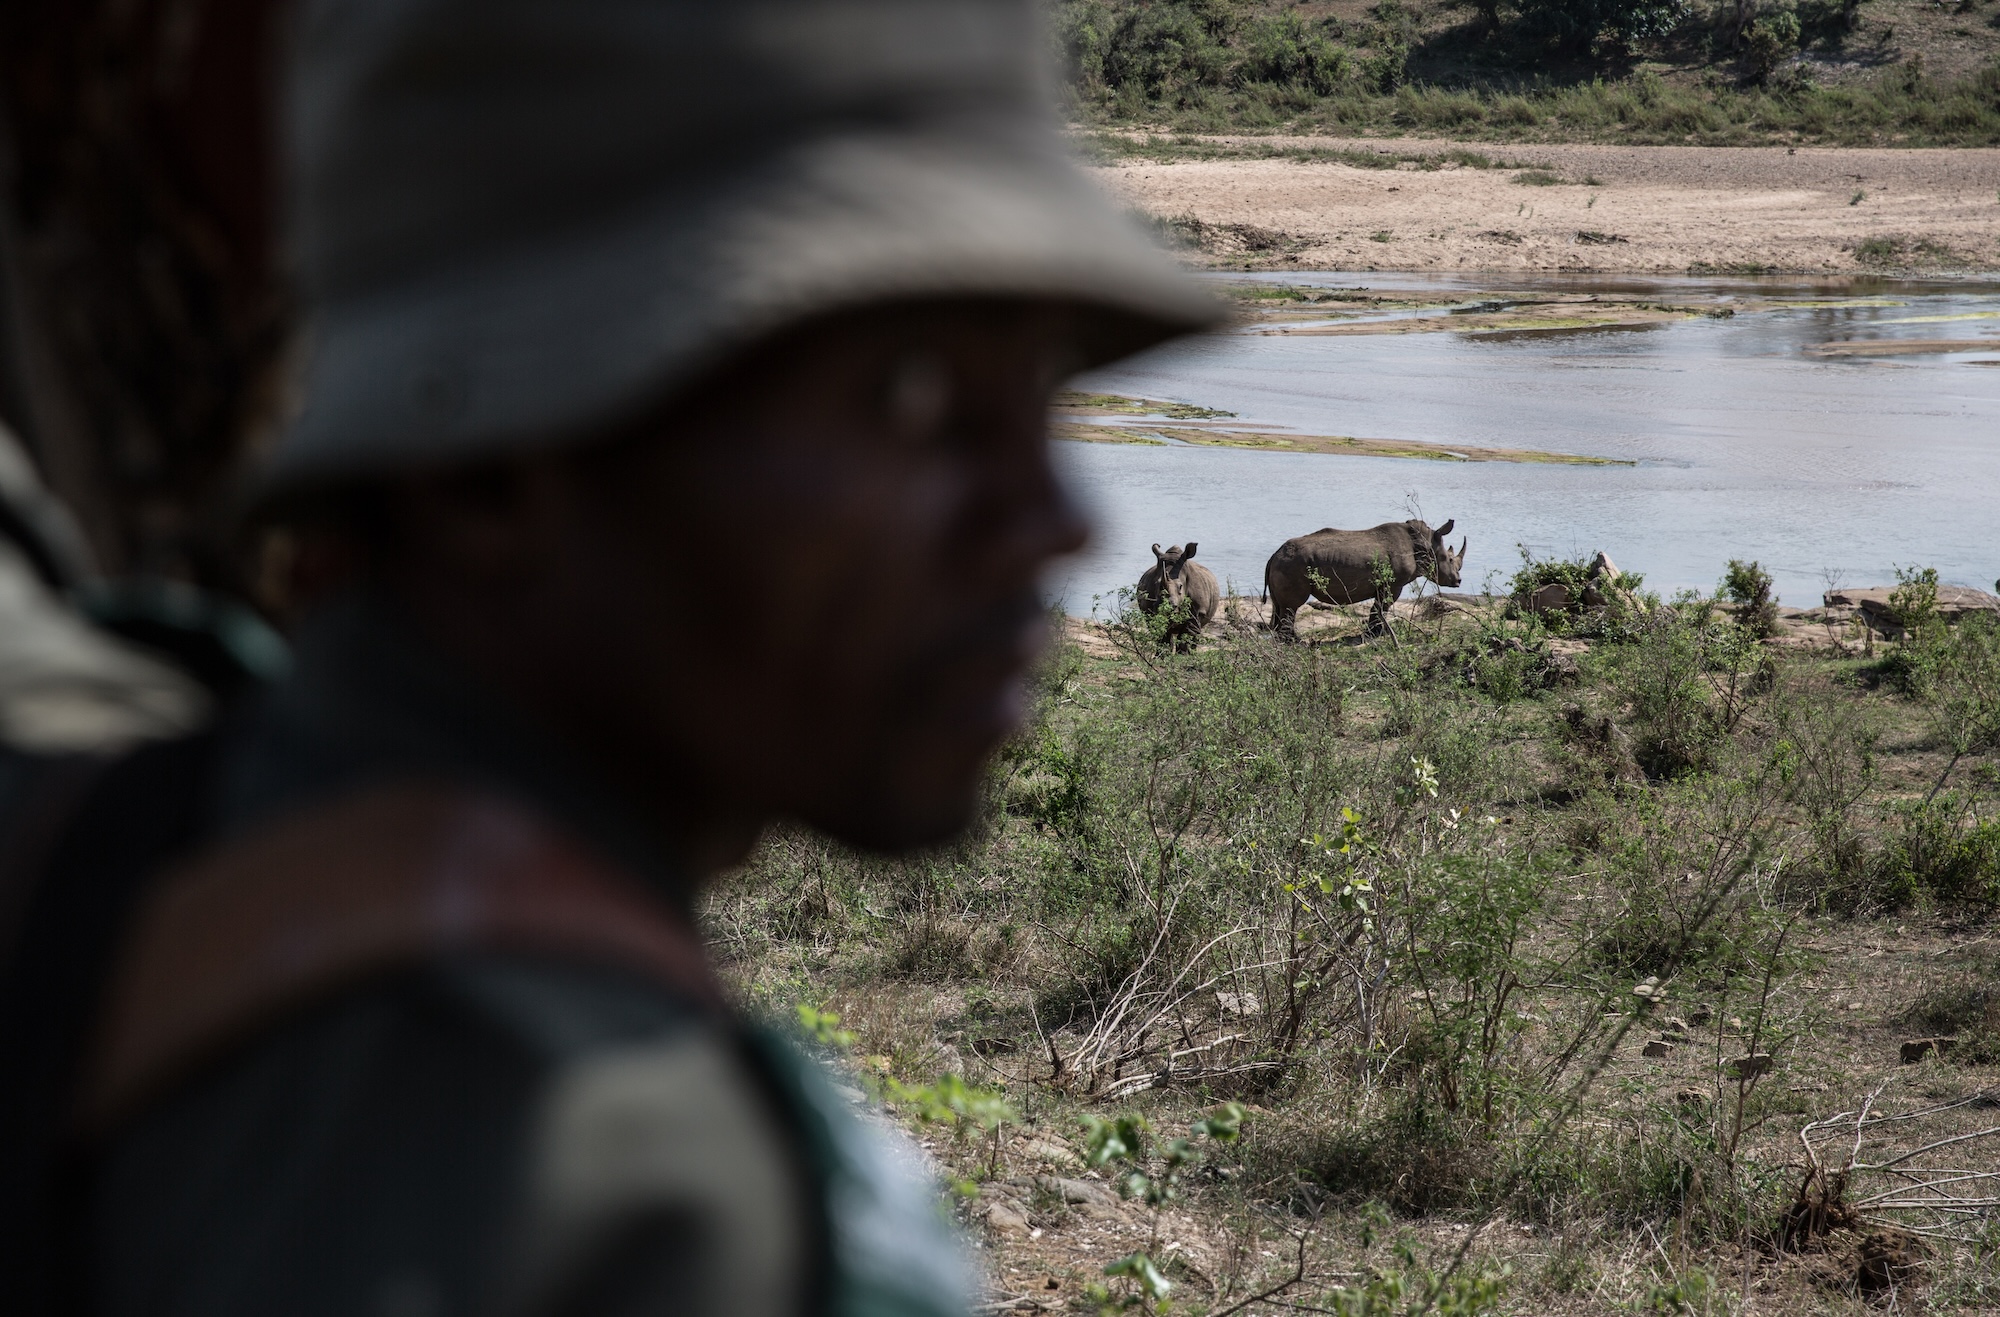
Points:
x=1389 y=67
x=1749 y=585
x=1284 y=50
x=1576 y=25
x=1770 y=40
x=1620 y=618
x=1967 y=1007
x=1663 y=676
x=1165 y=50
x=1939 y=851
x=1825 y=751
x=1571 y=573
x=1209 y=70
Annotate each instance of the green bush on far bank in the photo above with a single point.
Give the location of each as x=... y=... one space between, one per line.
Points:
x=1209 y=66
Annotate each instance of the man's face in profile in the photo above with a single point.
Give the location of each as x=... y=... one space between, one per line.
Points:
x=813 y=593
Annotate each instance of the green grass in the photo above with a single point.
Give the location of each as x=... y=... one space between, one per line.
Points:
x=1896 y=251
x=1106 y=145
x=1396 y=893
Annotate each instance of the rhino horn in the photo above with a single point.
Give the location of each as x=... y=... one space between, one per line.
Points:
x=1461 y=549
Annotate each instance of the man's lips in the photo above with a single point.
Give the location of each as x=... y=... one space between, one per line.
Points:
x=971 y=682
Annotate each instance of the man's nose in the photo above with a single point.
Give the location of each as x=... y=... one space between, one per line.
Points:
x=1054 y=523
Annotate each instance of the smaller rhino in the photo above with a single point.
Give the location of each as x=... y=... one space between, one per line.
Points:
x=1185 y=589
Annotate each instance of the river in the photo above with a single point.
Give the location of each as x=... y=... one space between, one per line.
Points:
x=1743 y=443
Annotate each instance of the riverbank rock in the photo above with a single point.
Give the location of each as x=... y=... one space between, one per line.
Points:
x=1551 y=598
x=1954 y=602
x=1006 y=1220
x=1602 y=587
x=1917 y=1049
x=1077 y=1193
x=1748 y=1067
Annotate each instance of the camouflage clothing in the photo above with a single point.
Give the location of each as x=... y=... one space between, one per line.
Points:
x=479 y=1131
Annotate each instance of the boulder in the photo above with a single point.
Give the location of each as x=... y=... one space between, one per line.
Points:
x=1050 y=1150
x=1917 y=1049
x=1658 y=1047
x=1748 y=1067
x=1953 y=603
x=1078 y=1192
x=1006 y=1220
x=1238 y=1003
x=1551 y=598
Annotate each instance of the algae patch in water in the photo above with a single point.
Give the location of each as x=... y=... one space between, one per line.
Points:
x=1902 y=347
x=1072 y=407
x=1072 y=403
x=1541 y=314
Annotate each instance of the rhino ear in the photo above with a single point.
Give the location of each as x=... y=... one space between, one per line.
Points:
x=1157 y=553
x=1445 y=529
x=1188 y=552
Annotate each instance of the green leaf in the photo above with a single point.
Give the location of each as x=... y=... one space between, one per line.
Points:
x=1139 y=1267
x=1224 y=1124
x=1106 y=1141
x=823 y=1027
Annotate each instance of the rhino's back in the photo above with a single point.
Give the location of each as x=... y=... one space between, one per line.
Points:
x=1346 y=559
x=1356 y=549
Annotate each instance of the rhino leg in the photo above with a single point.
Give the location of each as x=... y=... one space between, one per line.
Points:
x=1378 y=613
x=1285 y=614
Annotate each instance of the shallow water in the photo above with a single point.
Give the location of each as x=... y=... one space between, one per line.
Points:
x=1745 y=446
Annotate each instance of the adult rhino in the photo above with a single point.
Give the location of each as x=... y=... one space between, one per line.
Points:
x=1185 y=589
x=1348 y=566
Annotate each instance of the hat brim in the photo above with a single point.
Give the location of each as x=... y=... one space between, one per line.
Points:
x=544 y=342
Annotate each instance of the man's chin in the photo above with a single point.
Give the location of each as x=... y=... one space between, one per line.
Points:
x=902 y=824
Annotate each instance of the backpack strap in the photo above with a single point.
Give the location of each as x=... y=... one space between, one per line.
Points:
x=291 y=913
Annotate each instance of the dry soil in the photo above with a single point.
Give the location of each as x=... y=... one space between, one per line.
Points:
x=1619 y=208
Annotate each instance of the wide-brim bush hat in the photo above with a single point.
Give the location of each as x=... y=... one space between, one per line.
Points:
x=516 y=219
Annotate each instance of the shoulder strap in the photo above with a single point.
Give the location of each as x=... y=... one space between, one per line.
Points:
x=291 y=913
x=77 y=894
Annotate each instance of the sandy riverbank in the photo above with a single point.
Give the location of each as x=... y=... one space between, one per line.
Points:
x=1618 y=208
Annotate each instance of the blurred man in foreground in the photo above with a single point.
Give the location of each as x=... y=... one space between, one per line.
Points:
x=671 y=460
